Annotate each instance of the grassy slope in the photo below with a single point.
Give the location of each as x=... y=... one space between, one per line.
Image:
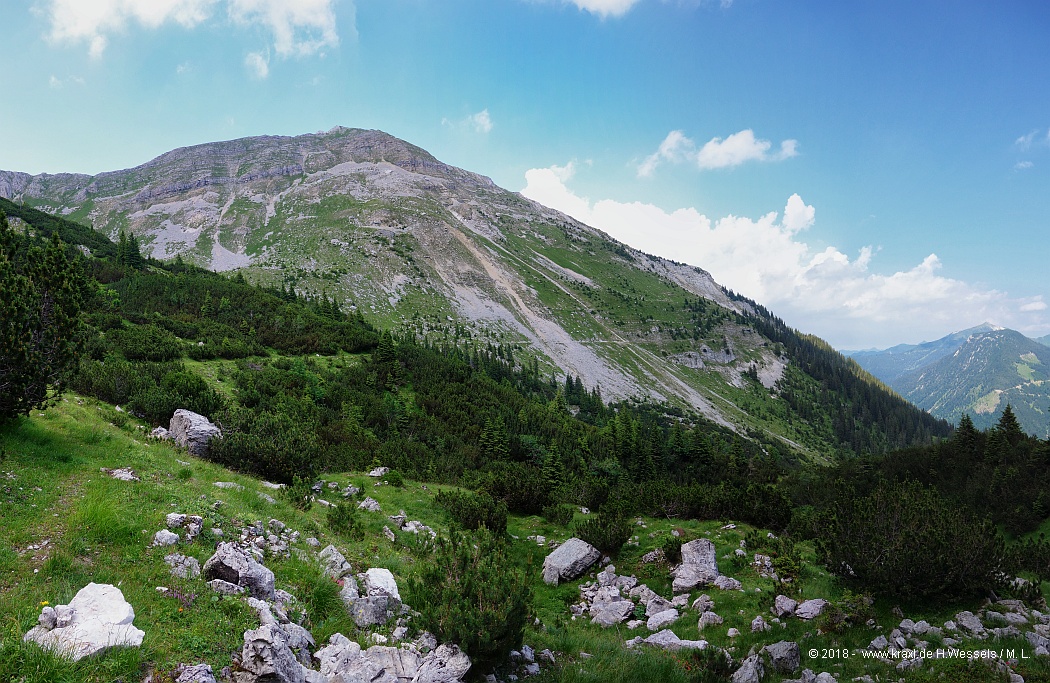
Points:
x=99 y=529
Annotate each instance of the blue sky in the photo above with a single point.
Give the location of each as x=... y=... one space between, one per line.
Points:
x=874 y=173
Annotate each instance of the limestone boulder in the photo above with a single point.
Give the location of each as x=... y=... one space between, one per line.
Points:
x=96 y=619
x=699 y=566
x=266 y=656
x=569 y=561
x=192 y=431
x=446 y=664
x=233 y=565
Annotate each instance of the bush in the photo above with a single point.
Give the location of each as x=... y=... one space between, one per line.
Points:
x=276 y=446
x=342 y=519
x=146 y=342
x=515 y=483
x=906 y=541
x=393 y=477
x=474 y=510
x=672 y=547
x=852 y=610
x=473 y=594
x=299 y=494
x=607 y=531
x=559 y=514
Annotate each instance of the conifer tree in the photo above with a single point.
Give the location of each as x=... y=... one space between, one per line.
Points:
x=41 y=291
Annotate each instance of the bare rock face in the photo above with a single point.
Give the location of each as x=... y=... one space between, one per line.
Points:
x=231 y=564
x=192 y=431
x=569 y=561
x=97 y=619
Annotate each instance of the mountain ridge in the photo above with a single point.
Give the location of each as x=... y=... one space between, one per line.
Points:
x=977 y=372
x=442 y=253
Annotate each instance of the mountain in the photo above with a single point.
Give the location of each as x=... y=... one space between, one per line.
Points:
x=1045 y=341
x=443 y=254
x=977 y=372
x=889 y=364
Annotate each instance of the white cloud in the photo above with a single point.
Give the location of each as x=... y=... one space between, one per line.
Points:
x=605 y=8
x=55 y=83
x=1024 y=142
x=734 y=150
x=742 y=147
x=258 y=65
x=298 y=27
x=1021 y=165
x=480 y=123
x=825 y=291
x=92 y=20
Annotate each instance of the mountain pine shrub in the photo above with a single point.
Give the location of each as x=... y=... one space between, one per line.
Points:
x=607 y=531
x=472 y=593
x=474 y=510
x=906 y=541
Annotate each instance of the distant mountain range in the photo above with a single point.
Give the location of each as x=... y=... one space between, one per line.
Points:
x=976 y=371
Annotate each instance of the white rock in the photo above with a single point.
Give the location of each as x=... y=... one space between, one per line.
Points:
x=96 y=619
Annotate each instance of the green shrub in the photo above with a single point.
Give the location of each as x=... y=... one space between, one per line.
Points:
x=710 y=665
x=906 y=541
x=393 y=477
x=342 y=519
x=473 y=594
x=559 y=514
x=851 y=611
x=515 y=483
x=274 y=445
x=474 y=510
x=672 y=547
x=298 y=494
x=607 y=531
x=146 y=342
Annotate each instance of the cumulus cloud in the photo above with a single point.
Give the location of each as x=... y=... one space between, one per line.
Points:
x=740 y=148
x=737 y=149
x=298 y=27
x=91 y=21
x=258 y=65
x=823 y=291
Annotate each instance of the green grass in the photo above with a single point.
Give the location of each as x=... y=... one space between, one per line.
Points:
x=99 y=529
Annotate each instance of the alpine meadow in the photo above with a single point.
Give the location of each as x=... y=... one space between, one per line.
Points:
x=328 y=407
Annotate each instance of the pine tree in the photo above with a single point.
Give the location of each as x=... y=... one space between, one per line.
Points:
x=41 y=292
x=134 y=254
